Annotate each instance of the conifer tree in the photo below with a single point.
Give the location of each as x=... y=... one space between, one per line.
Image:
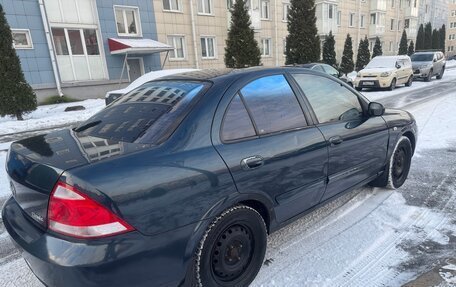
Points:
x=435 y=39
x=420 y=38
x=303 y=42
x=16 y=96
x=347 y=65
x=363 y=56
x=442 y=34
x=329 y=52
x=428 y=36
x=377 y=48
x=411 y=48
x=241 y=49
x=403 y=47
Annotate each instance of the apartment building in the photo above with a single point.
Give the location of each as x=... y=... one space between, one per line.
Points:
x=451 y=29
x=198 y=28
x=434 y=11
x=83 y=48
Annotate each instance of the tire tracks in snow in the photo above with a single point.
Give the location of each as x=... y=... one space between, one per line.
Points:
x=360 y=272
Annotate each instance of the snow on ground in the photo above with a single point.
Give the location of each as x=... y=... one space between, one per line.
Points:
x=451 y=63
x=50 y=116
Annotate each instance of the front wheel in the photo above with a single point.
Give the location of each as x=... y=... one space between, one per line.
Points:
x=429 y=76
x=232 y=249
x=398 y=166
x=409 y=82
x=393 y=85
x=359 y=89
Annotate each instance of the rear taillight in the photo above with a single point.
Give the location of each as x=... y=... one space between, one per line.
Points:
x=75 y=214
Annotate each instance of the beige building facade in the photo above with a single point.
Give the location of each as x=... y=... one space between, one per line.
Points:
x=451 y=29
x=198 y=28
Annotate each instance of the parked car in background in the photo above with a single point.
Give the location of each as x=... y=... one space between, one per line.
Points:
x=385 y=72
x=453 y=57
x=179 y=182
x=113 y=95
x=325 y=68
x=428 y=64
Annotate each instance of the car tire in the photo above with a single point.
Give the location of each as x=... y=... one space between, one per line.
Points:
x=398 y=166
x=440 y=75
x=359 y=89
x=231 y=251
x=392 y=85
x=409 y=82
x=429 y=76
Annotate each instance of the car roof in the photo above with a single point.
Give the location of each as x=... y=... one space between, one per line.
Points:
x=394 y=57
x=427 y=52
x=226 y=74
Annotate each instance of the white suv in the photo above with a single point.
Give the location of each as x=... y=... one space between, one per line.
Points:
x=385 y=72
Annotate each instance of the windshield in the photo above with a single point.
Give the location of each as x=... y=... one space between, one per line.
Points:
x=381 y=62
x=156 y=106
x=422 y=57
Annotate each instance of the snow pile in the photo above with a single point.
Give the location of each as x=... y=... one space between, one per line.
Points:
x=451 y=63
x=50 y=116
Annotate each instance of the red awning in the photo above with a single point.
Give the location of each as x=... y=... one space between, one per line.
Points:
x=137 y=46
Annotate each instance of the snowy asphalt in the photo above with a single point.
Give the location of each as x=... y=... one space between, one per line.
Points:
x=369 y=237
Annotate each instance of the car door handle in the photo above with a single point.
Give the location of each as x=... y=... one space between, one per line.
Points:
x=337 y=140
x=252 y=162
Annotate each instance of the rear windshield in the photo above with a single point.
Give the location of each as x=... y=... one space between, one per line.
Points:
x=422 y=57
x=155 y=107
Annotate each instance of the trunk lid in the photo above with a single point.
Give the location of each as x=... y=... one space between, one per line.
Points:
x=34 y=165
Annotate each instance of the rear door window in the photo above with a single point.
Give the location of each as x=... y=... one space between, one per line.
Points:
x=149 y=111
x=237 y=123
x=273 y=105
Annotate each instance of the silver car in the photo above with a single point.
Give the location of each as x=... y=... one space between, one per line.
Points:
x=428 y=64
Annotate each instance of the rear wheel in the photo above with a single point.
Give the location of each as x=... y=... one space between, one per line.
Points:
x=398 y=166
x=393 y=85
x=232 y=250
x=440 y=75
x=409 y=82
x=359 y=89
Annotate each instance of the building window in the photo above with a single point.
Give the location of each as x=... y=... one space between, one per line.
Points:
x=78 y=54
x=392 y=25
x=286 y=9
x=171 y=5
x=392 y=3
x=22 y=39
x=330 y=11
x=399 y=25
x=362 y=21
x=205 y=7
x=229 y=4
x=351 y=20
x=264 y=9
x=407 y=23
x=373 y=20
x=127 y=19
x=266 y=47
x=391 y=46
x=178 y=43
x=208 y=47
x=339 y=18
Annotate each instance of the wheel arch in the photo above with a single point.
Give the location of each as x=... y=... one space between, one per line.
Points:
x=412 y=139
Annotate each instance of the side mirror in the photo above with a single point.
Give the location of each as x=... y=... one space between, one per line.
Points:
x=398 y=66
x=435 y=60
x=376 y=109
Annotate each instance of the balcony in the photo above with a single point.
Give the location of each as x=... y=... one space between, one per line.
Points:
x=378 y=5
x=327 y=14
x=376 y=30
x=411 y=11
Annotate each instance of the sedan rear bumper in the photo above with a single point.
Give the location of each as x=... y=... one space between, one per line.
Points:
x=130 y=259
